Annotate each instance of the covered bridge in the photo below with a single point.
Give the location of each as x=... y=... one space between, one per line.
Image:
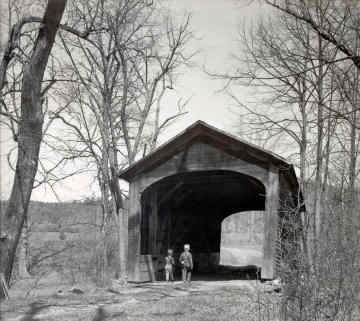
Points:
x=181 y=193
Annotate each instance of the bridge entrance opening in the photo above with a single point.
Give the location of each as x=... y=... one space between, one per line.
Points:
x=195 y=208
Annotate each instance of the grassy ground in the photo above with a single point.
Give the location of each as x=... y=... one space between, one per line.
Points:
x=202 y=300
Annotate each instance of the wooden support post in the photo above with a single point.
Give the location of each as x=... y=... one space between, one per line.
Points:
x=153 y=222
x=134 y=222
x=270 y=224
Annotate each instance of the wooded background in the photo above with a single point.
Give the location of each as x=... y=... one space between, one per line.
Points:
x=83 y=81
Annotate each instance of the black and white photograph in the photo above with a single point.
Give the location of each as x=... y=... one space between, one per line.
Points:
x=179 y=160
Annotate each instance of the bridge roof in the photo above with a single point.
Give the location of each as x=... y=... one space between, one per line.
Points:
x=201 y=131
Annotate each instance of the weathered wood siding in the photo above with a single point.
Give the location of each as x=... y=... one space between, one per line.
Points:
x=271 y=224
x=199 y=156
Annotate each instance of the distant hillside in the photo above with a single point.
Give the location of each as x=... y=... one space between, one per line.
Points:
x=60 y=211
x=65 y=217
x=62 y=237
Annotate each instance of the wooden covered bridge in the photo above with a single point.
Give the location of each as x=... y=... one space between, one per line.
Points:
x=182 y=192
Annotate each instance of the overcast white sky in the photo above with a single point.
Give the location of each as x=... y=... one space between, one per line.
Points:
x=215 y=23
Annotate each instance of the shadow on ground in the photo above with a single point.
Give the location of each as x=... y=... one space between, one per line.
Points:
x=100 y=314
x=35 y=308
x=223 y=273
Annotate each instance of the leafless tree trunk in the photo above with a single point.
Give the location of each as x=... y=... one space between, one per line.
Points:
x=23 y=252
x=30 y=133
x=330 y=138
x=133 y=60
x=317 y=217
x=293 y=83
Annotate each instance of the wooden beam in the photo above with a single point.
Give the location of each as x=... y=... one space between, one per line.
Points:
x=212 y=177
x=270 y=224
x=153 y=221
x=134 y=221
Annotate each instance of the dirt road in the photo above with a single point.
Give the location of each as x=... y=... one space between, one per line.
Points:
x=202 y=300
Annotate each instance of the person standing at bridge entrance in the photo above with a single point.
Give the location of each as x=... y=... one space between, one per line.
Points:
x=169 y=266
x=186 y=262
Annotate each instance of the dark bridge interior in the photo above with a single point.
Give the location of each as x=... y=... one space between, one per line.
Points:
x=190 y=207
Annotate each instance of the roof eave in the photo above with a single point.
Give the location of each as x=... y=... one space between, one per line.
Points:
x=130 y=172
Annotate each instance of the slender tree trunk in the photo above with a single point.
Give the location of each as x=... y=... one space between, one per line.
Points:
x=350 y=227
x=327 y=157
x=303 y=92
x=30 y=133
x=119 y=214
x=303 y=166
x=156 y=129
x=353 y=151
x=104 y=229
x=304 y=217
x=317 y=219
x=22 y=253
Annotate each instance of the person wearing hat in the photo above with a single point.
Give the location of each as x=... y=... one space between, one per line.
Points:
x=186 y=262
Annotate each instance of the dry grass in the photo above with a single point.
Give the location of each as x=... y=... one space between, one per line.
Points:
x=229 y=300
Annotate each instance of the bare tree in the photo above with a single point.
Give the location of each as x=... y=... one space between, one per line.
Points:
x=22 y=69
x=121 y=73
x=29 y=132
x=336 y=22
x=314 y=45
x=281 y=60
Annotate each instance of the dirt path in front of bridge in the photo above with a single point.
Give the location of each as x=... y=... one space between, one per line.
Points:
x=202 y=300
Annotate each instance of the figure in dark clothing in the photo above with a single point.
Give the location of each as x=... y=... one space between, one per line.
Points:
x=169 y=266
x=186 y=262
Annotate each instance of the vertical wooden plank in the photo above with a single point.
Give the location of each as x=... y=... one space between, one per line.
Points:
x=123 y=242
x=126 y=232
x=153 y=221
x=144 y=224
x=134 y=220
x=150 y=266
x=270 y=223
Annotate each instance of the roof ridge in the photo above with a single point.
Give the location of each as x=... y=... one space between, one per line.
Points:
x=193 y=126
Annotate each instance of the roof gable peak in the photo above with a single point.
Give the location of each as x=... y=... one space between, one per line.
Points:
x=202 y=131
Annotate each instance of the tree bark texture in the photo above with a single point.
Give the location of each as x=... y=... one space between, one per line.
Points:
x=30 y=133
x=22 y=253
